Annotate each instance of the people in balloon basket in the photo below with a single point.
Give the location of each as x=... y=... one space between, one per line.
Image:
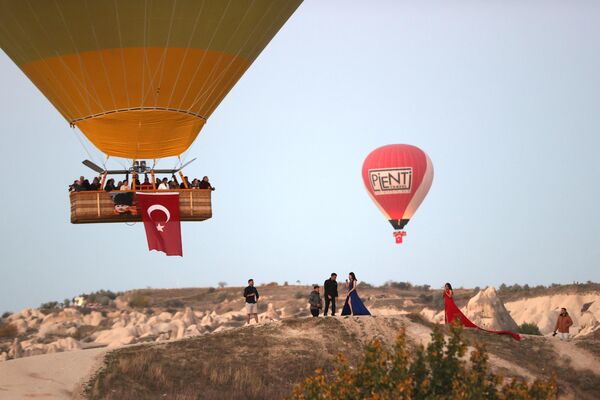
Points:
x=251 y=296
x=83 y=184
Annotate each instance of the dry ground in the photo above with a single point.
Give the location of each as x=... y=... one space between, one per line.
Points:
x=266 y=361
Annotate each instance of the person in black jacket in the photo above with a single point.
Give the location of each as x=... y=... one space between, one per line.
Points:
x=331 y=293
x=251 y=296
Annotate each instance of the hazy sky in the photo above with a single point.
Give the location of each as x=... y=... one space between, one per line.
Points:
x=504 y=96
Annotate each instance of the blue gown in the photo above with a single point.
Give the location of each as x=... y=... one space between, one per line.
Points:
x=358 y=308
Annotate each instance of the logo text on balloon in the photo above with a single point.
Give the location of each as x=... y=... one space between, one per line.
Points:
x=391 y=180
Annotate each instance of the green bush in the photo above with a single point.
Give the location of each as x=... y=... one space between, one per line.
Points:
x=300 y=295
x=6 y=314
x=49 y=307
x=436 y=372
x=139 y=301
x=529 y=329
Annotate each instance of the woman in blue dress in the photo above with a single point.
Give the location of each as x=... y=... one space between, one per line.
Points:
x=353 y=304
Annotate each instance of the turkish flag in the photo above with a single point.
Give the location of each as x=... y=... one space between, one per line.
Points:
x=160 y=213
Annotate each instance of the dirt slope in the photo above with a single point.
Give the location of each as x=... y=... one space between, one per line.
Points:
x=266 y=361
x=49 y=376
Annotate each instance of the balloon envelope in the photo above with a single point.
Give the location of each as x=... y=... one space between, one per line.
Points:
x=397 y=177
x=139 y=78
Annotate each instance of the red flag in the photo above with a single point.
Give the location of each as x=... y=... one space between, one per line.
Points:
x=160 y=213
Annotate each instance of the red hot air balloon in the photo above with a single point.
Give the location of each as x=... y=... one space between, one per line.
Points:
x=397 y=177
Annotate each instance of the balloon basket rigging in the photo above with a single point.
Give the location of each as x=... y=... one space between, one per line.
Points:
x=398 y=235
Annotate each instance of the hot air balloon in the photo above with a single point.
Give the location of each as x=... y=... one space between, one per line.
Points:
x=397 y=177
x=139 y=78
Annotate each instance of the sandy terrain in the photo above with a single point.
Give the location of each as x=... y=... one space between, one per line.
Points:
x=48 y=376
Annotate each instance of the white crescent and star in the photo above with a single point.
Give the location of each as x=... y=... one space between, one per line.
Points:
x=163 y=209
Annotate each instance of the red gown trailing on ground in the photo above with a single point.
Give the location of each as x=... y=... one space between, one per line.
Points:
x=397 y=177
x=453 y=313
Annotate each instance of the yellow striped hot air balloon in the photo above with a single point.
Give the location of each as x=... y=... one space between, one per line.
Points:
x=138 y=77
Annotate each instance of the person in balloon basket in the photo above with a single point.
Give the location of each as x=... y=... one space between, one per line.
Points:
x=331 y=293
x=205 y=184
x=314 y=299
x=251 y=296
x=164 y=185
x=563 y=323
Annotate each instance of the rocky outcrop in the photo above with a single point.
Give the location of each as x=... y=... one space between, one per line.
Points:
x=487 y=311
x=543 y=311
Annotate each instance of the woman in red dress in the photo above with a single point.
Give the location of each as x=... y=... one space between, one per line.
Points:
x=453 y=313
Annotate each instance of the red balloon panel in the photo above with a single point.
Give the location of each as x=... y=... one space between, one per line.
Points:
x=397 y=177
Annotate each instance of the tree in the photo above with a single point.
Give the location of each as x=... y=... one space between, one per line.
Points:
x=222 y=284
x=438 y=371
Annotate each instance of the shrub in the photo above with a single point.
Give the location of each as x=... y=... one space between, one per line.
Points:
x=299 y=295
x=139 y=301
x=220 y=298
x=66 y=303
x=49 y=307
x=222 y=284
x=211 y=290
x=272 y=284
x=8 y=331
x=426 y=298
x=529 y=329
x=436 y=372
x=399 y=285
x=101 y=296
x=174 y=303
x=85 y=310
x=6 y=314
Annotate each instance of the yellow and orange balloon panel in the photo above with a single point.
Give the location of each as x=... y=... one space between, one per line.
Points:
x=139 y=78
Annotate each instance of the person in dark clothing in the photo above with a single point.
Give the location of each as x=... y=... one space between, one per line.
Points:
x=315 y=301
x=182 y=184
x=251 y=296
x=95 y=185
x=86 y=185
x=110 y=185
x=331 y=293
x=205 y=184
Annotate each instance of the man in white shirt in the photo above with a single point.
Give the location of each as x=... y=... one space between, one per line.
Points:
x=163 y=185
x=124 y=185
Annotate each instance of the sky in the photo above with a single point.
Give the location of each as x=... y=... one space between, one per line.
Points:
x=502 y=95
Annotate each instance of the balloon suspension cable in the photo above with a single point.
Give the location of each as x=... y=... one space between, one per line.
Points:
x=398 y=235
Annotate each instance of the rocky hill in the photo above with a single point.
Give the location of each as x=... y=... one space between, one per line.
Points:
x=200 y=331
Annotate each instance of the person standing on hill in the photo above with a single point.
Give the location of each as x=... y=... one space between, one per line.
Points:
x=563 y=323
x=331 y=293
x=315 y=301
x=251 y=296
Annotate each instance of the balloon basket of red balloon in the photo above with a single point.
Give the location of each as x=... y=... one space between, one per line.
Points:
x=398 y=235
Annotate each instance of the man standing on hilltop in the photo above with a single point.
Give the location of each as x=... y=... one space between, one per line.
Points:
x=330 y=288
x=563 y=323
x=251 y=296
